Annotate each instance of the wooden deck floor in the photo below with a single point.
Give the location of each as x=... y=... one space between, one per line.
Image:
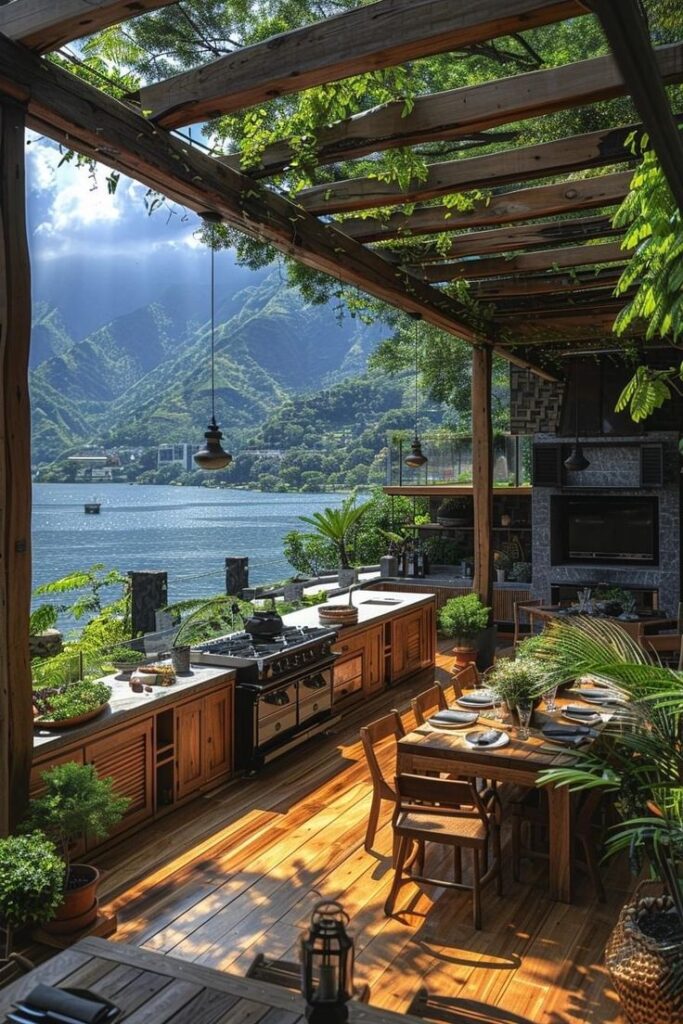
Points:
x=237 y=872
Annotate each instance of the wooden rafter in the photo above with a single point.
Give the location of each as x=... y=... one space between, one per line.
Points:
x=69 y=110
x=517 y=238
x=547 y=259
x=566 y=300
x=44 y=25
x=543 y=284
x=452 y=114
x=379 y=35
x=626 y=28
x=510 y=166
x=506 y=207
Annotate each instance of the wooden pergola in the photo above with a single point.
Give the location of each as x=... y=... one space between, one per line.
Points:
x=562 y=270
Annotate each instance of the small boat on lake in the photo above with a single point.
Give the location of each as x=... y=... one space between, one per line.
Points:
x=92 y=508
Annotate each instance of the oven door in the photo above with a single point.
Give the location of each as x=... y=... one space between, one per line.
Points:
x=315 y=694
x=276 y=713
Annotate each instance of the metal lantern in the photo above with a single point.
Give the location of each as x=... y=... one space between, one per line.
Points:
x=577 y=461
x=417 y=458
x=327 y=964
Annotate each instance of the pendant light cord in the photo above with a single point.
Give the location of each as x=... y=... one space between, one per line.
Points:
x=416 y=372
x=213 y=321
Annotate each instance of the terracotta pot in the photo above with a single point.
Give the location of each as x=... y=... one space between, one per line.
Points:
x=463 y=655
x=79 y=908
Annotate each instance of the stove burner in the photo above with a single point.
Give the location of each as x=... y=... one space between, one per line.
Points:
x=244 y=645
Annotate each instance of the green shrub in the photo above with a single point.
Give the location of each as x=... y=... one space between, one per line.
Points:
x=463 y=617
x=515 y=679
x=70 y=701
x=31 y=880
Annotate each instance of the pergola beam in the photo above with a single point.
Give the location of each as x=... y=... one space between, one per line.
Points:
x=379 y=35
x=44 y=25
x=510 y=166
x=517 y=238
x=627 y=32
x=543 y=284
x=69 y=110
x=458 y=112
x=506 y=207
x=547 y=259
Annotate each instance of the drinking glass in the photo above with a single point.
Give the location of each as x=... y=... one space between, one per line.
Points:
x=549 y=697
x=524 y=710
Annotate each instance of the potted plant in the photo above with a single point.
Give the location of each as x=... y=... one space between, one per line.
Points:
x=31 y=884
x=640 y=762
x=520 y=572
x=335 y=525
x=463 y=618
x=59 y=707
x=455 y=512
x=518 y=681
x=502 y=564
x=75 y=803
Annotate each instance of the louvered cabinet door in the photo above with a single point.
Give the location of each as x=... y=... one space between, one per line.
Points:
x=126 y=757
x=407 y=644
x=190 y=758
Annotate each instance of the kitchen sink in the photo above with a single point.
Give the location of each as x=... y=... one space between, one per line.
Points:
x=382 y=600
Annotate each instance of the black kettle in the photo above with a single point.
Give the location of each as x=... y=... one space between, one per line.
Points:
x=264 y=624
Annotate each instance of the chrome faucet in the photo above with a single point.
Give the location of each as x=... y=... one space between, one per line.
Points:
x=354 y=586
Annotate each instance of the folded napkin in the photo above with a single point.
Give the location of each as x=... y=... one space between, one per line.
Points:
x=484 y=739
x=60 y=1004
x=579 y=711
x=452 y=717
x=571 y=735
x=477 y=697
x=595 y=696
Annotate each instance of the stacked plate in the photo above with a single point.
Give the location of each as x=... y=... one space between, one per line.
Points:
x=569 y=735
x=453 y=719
x=581 y=714
x=476 y=699
x=597 y=696
x=490 y=739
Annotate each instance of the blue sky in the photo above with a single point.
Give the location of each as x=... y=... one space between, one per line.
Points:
x=95 y=255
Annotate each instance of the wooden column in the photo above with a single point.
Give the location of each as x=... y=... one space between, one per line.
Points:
x=482 y=473
x=16 y=726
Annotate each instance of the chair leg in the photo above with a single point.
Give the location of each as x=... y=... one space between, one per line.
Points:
x=394 y=850
x=476 y=889
x=457 y=864
x=372 y=820
x=403 y=847
x=516 y=845
x=498 y=854
x=420 y=859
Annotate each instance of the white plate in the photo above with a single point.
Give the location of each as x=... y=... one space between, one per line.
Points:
x=435 y=724
x=502 y=741
x=474 y=705
x=607 y=699
x=582 y=719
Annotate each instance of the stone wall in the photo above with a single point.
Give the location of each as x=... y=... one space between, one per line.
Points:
x=535 y=404
x=614 y=470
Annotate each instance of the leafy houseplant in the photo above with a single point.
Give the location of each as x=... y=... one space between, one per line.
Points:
x=463 y=618
x=516 y=680
x=335 y=525
x=641 y=764
x=71 y=702
x=76 y=803
x=31 y=883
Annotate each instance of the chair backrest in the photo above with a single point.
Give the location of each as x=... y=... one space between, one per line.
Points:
x=466 y=679
x=521 y=616
x=382 y=729
x=419 y=791
x=428 y=703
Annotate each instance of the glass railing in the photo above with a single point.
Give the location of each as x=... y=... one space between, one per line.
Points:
x=450 y=460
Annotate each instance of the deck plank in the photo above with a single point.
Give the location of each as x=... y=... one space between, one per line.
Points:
x=239 y=872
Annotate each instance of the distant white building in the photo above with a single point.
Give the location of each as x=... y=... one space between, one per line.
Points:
x=177 y=454
x=95 y=465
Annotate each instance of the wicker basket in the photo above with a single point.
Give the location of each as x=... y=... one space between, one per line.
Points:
x=640 y=967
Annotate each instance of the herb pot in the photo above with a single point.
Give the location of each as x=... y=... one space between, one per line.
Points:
x=500 y=575
x=79 y=908
x=464 y=653
x=180 y=659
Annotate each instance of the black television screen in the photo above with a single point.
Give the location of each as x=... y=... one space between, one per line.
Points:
x=614 y=530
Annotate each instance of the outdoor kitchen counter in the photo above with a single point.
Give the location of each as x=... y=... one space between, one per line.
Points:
x=125 y=706
x=374 y=606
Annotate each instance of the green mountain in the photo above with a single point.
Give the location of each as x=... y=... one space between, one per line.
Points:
x=144 y=378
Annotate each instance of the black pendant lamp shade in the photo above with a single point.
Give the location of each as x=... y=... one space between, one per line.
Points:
x=212 y=455
x=577 y=461
x=417 y=458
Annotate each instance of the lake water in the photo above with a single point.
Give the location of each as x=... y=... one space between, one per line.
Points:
x=185 y=531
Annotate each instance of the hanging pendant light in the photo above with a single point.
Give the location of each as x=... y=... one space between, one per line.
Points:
x=212 y=455
x=417 y=458
x=577 y=461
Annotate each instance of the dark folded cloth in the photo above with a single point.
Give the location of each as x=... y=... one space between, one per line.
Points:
x=580 y=712
x=454 y=717
x=571 y=735
x=476 y=697
x=484 y=739
x=59 y=1002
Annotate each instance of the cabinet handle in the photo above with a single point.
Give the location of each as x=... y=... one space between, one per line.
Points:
x=344 y=648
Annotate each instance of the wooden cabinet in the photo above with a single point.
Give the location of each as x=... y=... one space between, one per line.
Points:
x=360 y=665
x=373 y=678
x=412 y=642
x=203 y=741
x=125 y=756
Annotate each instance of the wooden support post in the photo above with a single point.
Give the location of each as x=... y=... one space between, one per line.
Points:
x=16 y=722
x=482 y=473
x=148 y=595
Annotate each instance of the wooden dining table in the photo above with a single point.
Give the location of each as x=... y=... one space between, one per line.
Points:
x=520 y=762
x=150 y=988
x=637 y=628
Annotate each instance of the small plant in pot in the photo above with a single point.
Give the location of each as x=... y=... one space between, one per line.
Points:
x=75 y=803
x=336 y=526
x=31 y=885
x=463 y=618
x=518 y=681
x=454 y=512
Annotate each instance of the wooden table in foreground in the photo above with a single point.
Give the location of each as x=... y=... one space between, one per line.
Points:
x=520 y=762
x=151 y=988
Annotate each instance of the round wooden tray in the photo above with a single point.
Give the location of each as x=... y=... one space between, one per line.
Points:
x=345 y=615
x=66 y=723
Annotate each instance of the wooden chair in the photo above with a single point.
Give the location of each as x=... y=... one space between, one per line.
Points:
x=523 y=622
x=533 y=809
x=450 y=812
x=388 y=727
x=666 y=647
x=466 y=679
x=428 y=703
x=287 y=974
